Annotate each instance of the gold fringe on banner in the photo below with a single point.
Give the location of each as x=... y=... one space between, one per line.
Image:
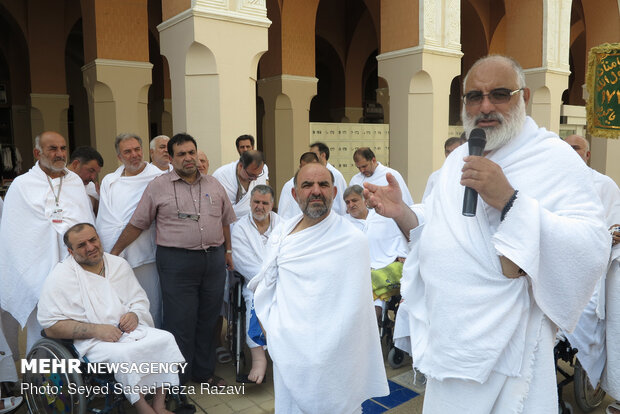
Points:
x=603 y=84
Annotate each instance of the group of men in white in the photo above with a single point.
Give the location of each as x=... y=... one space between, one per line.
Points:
x=483 y=296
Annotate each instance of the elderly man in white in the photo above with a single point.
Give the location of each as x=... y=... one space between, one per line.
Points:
x=119 y=196
x=386 y=242
x=249 y=238
x=39 y=207
x=597 y=335
x=158 y=150
x=484 y=295
x=93 y=298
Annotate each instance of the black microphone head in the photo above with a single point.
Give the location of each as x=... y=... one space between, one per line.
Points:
x=477 y=140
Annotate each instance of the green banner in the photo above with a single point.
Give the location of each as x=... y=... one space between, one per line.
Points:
x=603 y=81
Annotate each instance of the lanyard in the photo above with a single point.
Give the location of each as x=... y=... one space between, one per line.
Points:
x=196 y=216
x=56 y=197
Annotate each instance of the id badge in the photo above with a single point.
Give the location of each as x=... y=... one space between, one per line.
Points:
x=57 y=215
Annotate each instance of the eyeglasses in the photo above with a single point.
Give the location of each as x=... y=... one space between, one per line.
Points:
x=188 y=216
x=253 y=176
x=496 y=96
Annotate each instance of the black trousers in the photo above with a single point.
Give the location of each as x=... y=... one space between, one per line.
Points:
x=192 y=286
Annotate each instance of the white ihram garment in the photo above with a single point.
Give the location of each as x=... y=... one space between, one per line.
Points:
x=119 y=197
x=72 y=293
x=462 y=318
x=313 y=297
x=287 y=206
x=227 y=176
x=378 y=178
x=30 y=243
x=248 y=247
x=589 y=334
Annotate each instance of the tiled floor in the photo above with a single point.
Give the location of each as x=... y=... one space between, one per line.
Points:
x=258 y=399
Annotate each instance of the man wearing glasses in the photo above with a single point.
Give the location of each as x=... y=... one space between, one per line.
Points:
x=240 y=177
x=485 y=295
x=192 y=217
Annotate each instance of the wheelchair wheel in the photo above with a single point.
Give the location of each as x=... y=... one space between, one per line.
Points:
x=396 y=358
x=587 y=396
x=49 y=393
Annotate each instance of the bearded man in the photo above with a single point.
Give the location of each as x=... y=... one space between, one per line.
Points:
x=484 y=295
x=313 y=298
x=39 y=207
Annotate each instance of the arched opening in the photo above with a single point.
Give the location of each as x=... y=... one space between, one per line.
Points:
x=327 y=105
x=78 y=117
x=15 y=92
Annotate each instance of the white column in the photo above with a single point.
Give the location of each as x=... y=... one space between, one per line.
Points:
x=286 y=127
x=213 y=51
x=48 y=112
x=419 y=81
x=118 y=102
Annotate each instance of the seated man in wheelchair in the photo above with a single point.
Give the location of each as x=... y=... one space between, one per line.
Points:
x=94 y=298
x=388 y=246
x=249 y=237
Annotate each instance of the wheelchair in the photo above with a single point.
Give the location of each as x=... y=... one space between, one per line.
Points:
x=395 y=356
x=54 y=393
x=235 y=329
x=586 y=396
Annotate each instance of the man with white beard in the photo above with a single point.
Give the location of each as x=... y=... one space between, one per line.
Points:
x=484 y=295
x=249 y=237
x=121 y=191
x=39 y=207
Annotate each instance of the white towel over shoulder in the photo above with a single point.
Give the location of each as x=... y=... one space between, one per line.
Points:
x=119 y=198
x=30 y=243
x=465 y=318
x=313 y=297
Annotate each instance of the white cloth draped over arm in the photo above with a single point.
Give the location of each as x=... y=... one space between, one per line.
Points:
x=478 y=315
x=119 y=198
x=227 y=176
x=30 y=243
x=313 y=297
x=248 y=247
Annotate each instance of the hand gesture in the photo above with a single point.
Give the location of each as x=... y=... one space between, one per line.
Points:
x=128 y=322
x=615 y=234
x=488 y=179
x=386 y=200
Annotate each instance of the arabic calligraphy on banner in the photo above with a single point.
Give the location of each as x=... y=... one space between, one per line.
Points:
x=603 y=82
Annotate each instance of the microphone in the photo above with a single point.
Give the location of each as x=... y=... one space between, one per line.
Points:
x=477 y=141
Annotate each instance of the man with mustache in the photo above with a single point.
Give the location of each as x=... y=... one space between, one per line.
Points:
x=240 y=177
x=485 y=295
x=158 y=150
x=372 y=171
x=39 y=207
x=287 y=206
x=94 y=299
x=314 y=300
x=119 y=195
x=192 y=216
x=249 y=238
x=87 y=163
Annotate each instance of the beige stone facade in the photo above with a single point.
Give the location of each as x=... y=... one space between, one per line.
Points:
x=216 y=69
